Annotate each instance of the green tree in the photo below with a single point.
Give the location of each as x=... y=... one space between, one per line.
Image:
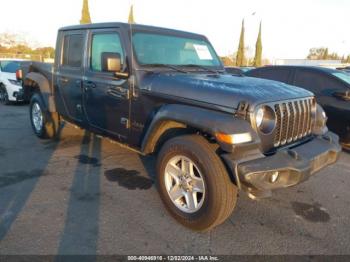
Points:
x=240 y=60
x=45 y=52
x=348 y=59
x=131 y=19
x=227 y=61
x=316 y=53
x=258 y=50
x=343 y=60
x=85 y=13
x=322 y=53
x=325 y=54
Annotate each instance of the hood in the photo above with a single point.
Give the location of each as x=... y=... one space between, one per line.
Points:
x=6 y=76
x=222 y=90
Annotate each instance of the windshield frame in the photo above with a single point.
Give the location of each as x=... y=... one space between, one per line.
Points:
x=174 y=33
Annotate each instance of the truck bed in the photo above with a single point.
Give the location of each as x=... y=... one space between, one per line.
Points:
x=38 y=67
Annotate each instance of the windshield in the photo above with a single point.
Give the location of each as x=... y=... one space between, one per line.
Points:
x=154 y=49
x=343 y=76
x=9 y=66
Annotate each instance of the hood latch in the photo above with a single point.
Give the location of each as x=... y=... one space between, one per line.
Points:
x=242 y=111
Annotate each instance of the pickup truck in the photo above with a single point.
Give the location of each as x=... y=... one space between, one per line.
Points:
x=165 y=92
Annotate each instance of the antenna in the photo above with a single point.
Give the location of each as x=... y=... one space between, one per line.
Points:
x=131 y=45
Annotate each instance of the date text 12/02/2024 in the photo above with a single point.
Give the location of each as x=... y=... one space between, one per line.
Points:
x=173 y=258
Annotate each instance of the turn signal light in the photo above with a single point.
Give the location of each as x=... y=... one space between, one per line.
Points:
x=234 y=138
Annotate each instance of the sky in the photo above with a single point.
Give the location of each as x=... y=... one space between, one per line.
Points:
x=289 y=27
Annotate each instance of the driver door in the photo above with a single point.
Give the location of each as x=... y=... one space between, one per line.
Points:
x=106 y=100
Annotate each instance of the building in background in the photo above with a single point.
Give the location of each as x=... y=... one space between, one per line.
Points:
x=306 y=62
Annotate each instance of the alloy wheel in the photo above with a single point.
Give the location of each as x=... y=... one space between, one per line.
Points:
x=37 y=117
x=3 y=95
x=184 y=184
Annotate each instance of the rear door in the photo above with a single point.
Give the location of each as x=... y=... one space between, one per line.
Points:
x=277 y=74
x=70 y=73
x=324 y=86
x=316 y=82
x=106 y=98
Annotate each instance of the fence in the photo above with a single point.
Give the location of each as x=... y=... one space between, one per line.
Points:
x=23 y=56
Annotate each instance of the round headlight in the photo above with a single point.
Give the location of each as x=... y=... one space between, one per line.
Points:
x=320 y=121
x=259 y=117
x=265 y=119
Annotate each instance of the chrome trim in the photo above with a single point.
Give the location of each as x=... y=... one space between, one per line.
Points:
x=294 y=121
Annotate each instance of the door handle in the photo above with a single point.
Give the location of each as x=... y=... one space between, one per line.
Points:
x=118 y=92
x=89 y=85
x=63 y=80
x=114 y=93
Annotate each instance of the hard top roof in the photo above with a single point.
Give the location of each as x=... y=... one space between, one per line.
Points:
x=316 y=68
x=126 y=26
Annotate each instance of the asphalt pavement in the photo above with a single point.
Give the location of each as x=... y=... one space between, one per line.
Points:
x=86 y=195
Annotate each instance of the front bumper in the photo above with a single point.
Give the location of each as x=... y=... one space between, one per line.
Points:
x=287 y=167
x=19 y=95
x=15 y=93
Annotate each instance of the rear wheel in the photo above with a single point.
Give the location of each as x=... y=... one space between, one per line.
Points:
x=4 y=97
x=44 y=123
x=193 y=183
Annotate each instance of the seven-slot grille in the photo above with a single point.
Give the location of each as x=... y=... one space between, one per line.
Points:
x=293 y=120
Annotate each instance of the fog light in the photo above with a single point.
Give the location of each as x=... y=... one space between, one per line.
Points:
x=274 y=177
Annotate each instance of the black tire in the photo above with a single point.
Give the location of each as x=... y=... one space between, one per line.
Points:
x=4 y=97
x=221 y=194
x=49 y=129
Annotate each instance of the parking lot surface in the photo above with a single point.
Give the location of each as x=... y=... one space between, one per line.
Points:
x=86 y=195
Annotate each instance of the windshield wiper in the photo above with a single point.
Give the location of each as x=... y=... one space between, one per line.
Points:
x=168 y=66
x=203 y=67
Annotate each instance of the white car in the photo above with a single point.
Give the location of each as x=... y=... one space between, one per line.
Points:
x=10 y=88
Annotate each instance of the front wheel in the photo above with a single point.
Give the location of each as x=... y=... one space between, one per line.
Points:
x=4 y=97
x=193 y=183
x=44 y=123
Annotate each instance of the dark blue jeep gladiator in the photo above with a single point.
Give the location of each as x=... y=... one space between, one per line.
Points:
x=165 y=92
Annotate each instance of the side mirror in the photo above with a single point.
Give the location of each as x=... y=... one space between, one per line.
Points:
x=343 y=95
x=111 y=62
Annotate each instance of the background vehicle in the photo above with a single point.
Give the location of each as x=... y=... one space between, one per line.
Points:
x=237 y=70
x=232 y=70
x=331 y=87
x=245 y=69
x=213 y=133
x=10 y=88
x=344 y=69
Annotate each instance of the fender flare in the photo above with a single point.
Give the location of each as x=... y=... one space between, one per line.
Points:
x=205 y=120
x=45 y=89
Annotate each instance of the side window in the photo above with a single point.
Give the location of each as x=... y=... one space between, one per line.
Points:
x=73 y=47
x=101 y=43
x=281 y=75
x=254 y=73
x=309 y=80
x=317 y=82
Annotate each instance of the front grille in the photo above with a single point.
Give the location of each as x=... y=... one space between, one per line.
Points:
x=294 y=120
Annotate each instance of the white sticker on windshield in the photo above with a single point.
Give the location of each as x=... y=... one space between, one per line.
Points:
x=203 y=52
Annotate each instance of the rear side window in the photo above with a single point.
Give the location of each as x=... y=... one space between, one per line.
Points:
x=277 y=74
x=73 y=50
x=315 y=81
x=101 y=43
